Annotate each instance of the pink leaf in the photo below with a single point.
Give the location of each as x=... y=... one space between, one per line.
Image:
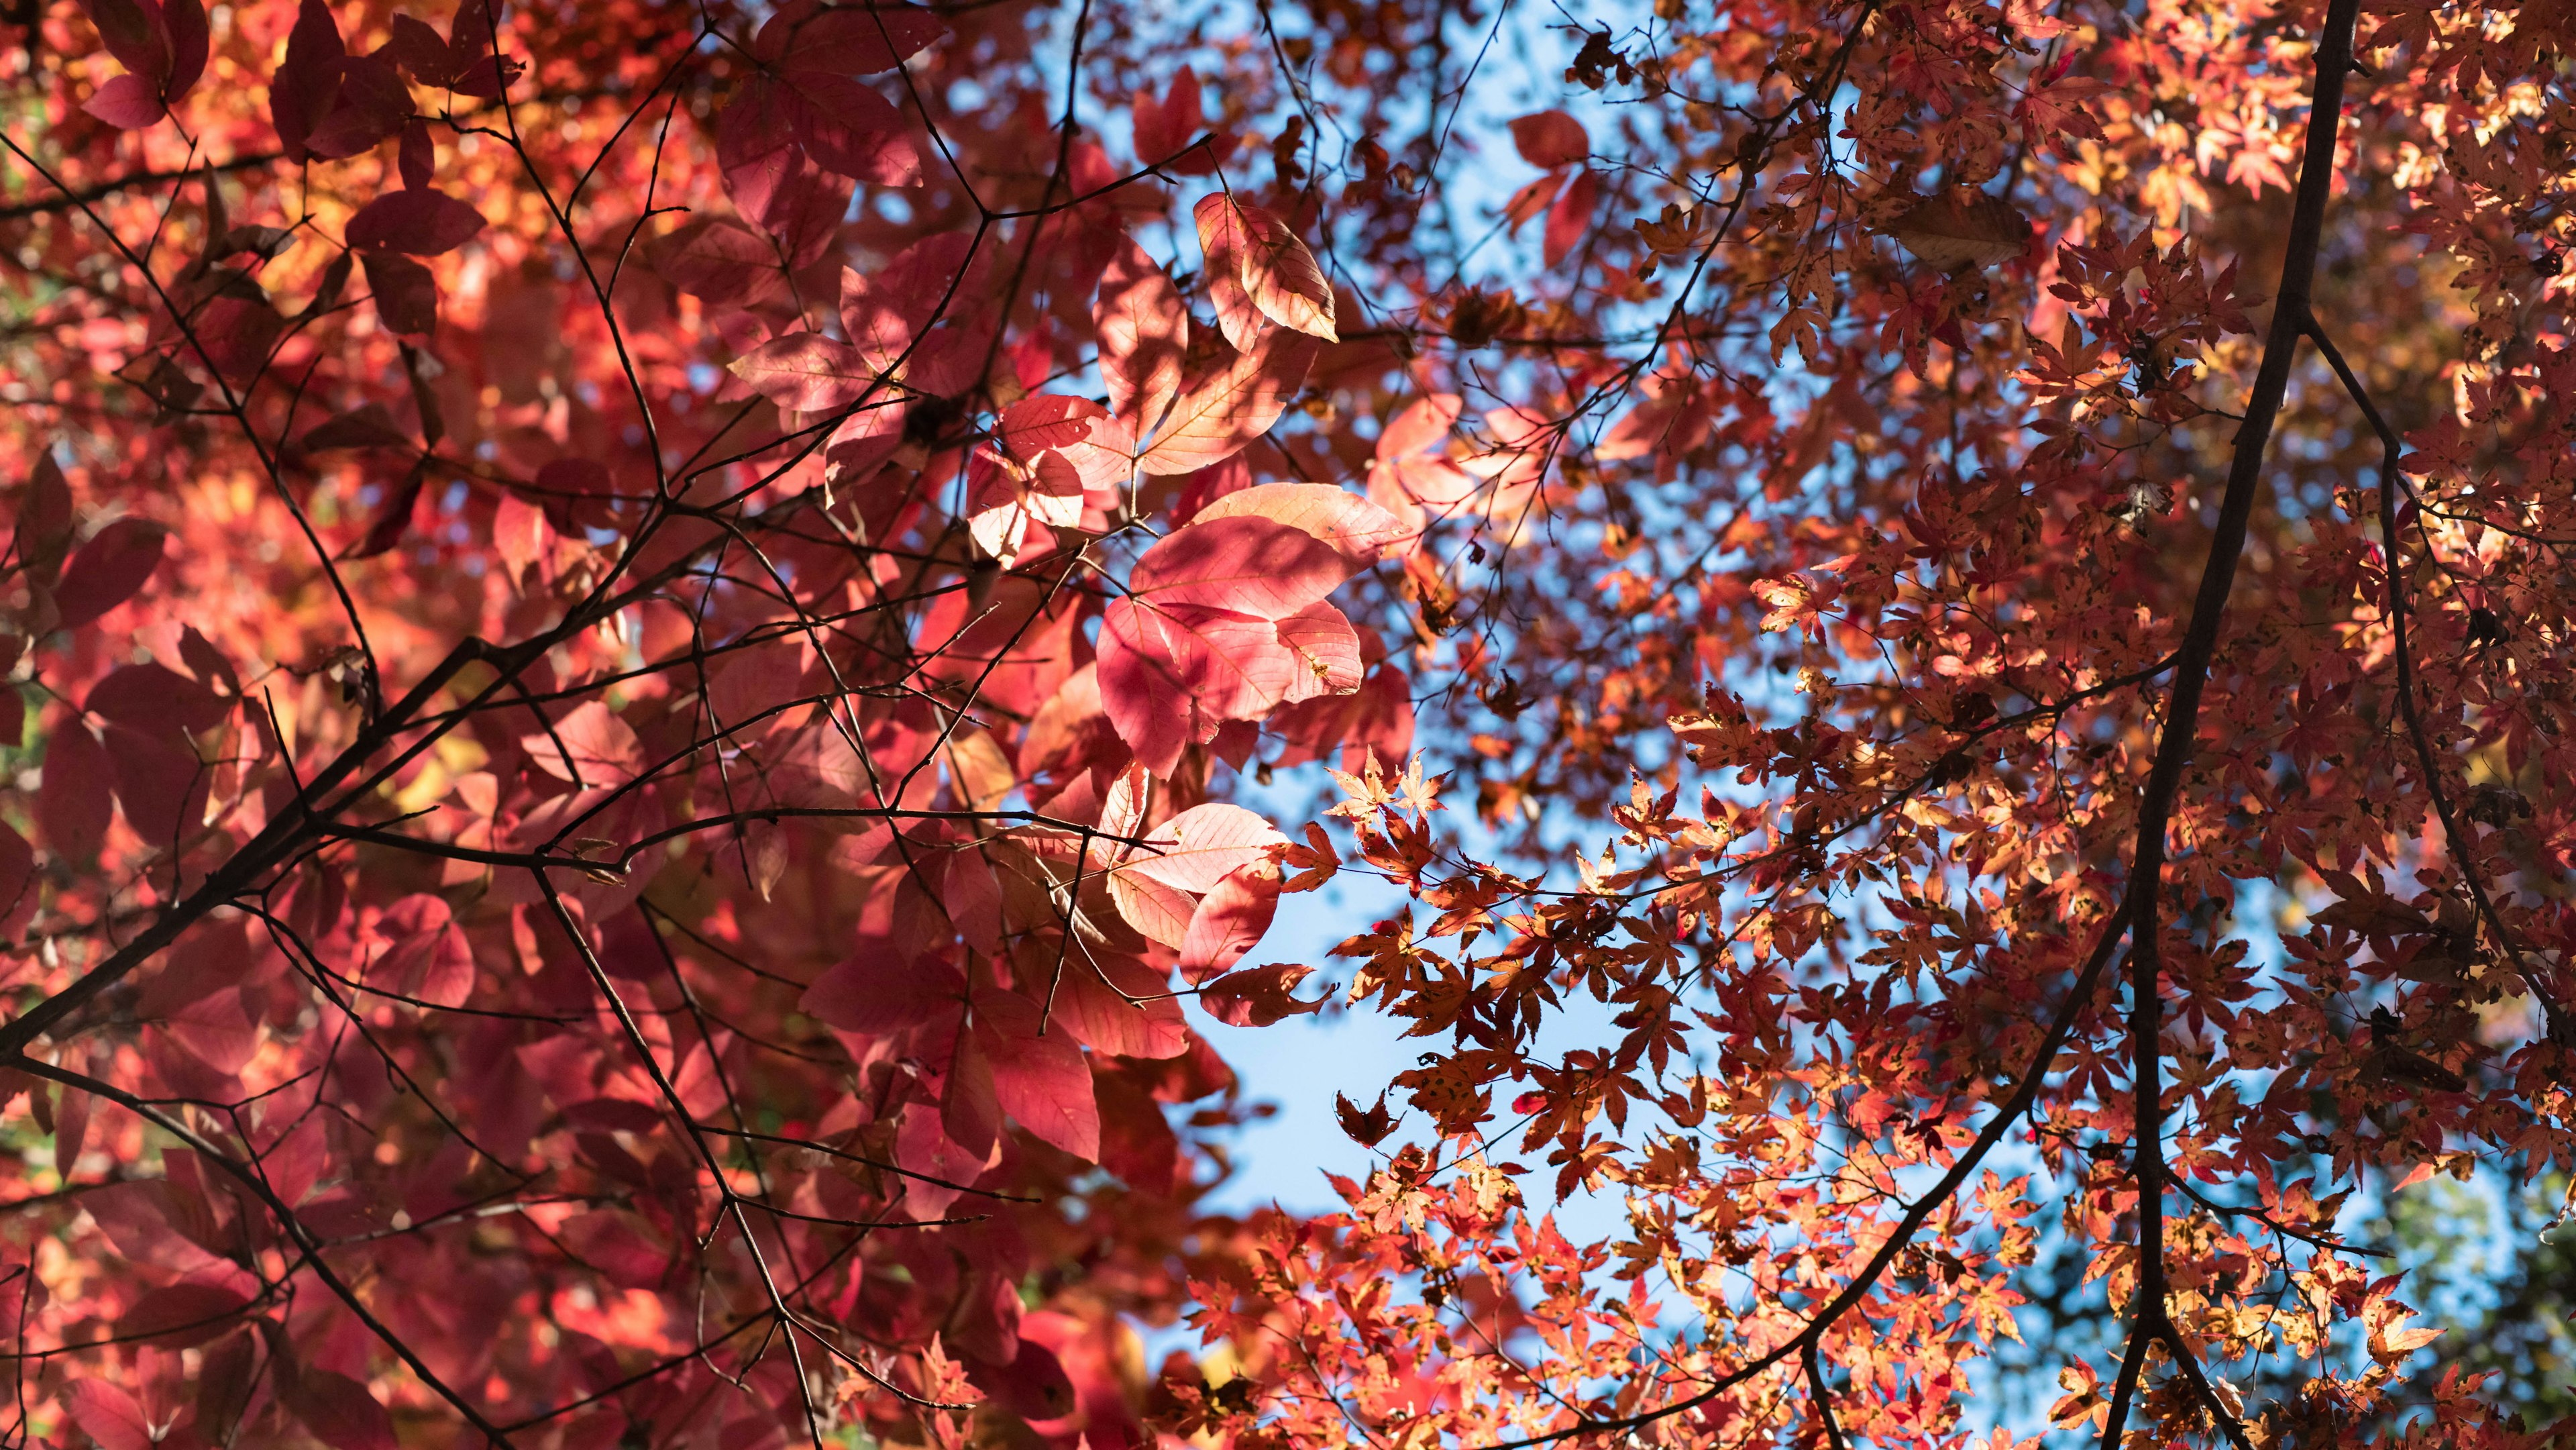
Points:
x=1283 y=277
x=1157 y=909
x=1277 y=275
x=756 y=147
x=1040 y=1080
x=1121 y=1007
x=941 y=276
x=1230 y=407
x=1327 y=651
x=428 y=957
x=1144 y=333
x=1203 y=845
x=807 y=371
x=1241 y=562
x=108 y=1415
x=1356 y=528
x=1006 y=504
x=590 y=747
x=876 y=992
x=1221 y=240
x=1169 y=678
x=719 y=259
x=1230 y=920
x=1163 y=128
x=849 y=129
x=1423 y=424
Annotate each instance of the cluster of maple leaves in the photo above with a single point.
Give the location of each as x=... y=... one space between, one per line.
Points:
x=636 y=623
x=603 y=897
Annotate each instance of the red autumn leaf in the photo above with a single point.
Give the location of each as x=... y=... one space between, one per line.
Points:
x=857 y=41
x=182 y=1314
x=75 y=803
x=18 y=885
x=1266 y=271
x=1230 y=919
x=1227 y=408
x=1170 y=677
x=1244 y=563
x=1571 y=217
x=1033 y=1384
x=161 y=781
x=1326 y=650
x=339 y=1411
x=423 y=222
x=405 y=294
x=877 y=992
x=307 y=82
x=590 y=746
x=1144 y=336
x=867 y=655
x=717 y=258
x=1162 y=127
x=1116 y=1006
x=427 y=957
x=1221 y=245
x=1201 y=846
x=846 y=127
x=808 y=372
x=107 y=571
x=137 y=33
x=71 y=1131
x=521 y=536
x=371 y=104
x=154 y=699
x=1040 y=1079
x=109 y=1415
x=1550 y=139
x=1360 y=531
x=1256 y=996
x=126 y=102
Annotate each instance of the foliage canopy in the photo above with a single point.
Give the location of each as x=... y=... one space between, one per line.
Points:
x=643 y=628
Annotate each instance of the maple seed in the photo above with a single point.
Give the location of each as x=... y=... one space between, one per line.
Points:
x=2485 y=628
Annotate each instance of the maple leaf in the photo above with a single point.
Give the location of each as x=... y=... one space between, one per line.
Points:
x=683 y=741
